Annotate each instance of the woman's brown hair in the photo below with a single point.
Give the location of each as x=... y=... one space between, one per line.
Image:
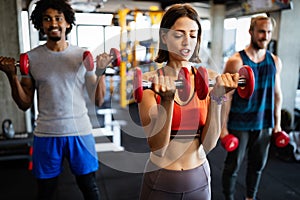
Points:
x=172 y=14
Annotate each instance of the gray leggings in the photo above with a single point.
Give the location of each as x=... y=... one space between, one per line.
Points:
x=256 y=144
x=166 y=184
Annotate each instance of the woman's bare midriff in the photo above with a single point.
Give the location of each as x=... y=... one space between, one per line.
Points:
x=180 y=155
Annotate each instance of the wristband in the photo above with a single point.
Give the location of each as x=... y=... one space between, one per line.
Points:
x=219 y=100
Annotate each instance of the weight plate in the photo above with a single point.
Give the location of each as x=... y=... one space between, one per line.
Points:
x=246 y=91
x=88 y=61
x=201 y=83
x=184 y=76
x=116 y=57
x=24 y=64
x=137 y=85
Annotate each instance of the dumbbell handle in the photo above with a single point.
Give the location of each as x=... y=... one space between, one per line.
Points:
x=148 y=84
x=179 y=84
x=17 y=64
x=241 y=82
x=182 y=83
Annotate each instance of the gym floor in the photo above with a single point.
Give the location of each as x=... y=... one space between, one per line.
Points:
x=280 y=180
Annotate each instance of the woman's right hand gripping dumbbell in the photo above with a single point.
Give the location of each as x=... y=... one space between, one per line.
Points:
x=164 y=86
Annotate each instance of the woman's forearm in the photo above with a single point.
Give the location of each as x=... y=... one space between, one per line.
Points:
x=212 y=129
x=159 y=137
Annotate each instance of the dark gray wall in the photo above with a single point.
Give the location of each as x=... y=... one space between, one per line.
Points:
x=289 y=52
x=9 y=43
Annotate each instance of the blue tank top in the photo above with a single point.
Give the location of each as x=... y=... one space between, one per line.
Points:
x=257 y=112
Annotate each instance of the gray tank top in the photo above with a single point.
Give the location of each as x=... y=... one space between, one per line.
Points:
x=60 y=84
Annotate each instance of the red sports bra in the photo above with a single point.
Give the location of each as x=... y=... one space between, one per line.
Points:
x=188 y=120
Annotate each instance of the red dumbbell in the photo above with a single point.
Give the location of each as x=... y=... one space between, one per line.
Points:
x=116 y=57
x=182 y=84
x=23 y=64
x=88 y=60
x=281 y=139
x=246 y=82
x=230 y=142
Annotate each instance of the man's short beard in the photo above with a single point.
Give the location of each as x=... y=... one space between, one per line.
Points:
x=55 y=39
x=256 y=46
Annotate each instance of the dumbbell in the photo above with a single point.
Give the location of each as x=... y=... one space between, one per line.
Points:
x=182 y=84
x=245 y=88
x=23 y=64
x=229 y=142
x=8 y=129
x=281 y=139
x=88 y=60
x=116 y=57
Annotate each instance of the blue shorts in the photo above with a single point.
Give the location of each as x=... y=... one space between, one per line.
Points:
x=50 y=152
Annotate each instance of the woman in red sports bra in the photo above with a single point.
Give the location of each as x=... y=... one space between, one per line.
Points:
x=180 y=133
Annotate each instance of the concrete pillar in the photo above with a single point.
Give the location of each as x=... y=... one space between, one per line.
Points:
x=288 y=49
x=217 y=30
x=10 y=46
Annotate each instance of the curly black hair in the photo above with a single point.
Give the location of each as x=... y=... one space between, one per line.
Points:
x=60 y=5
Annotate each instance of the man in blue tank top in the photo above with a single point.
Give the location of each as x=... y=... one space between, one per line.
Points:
x=63 y=129
x=253 y=120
